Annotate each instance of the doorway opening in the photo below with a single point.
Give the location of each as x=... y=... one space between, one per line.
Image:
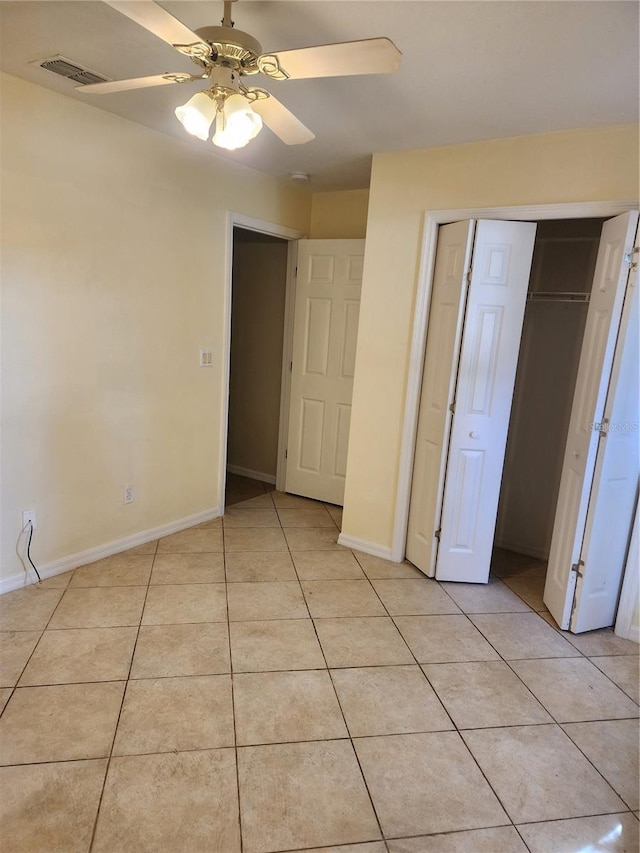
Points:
x=295 y=306
x=258 y=305
x=562 y=271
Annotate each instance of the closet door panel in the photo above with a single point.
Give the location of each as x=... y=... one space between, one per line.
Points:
x=615 y=484
x=590 y=398
x=453 y=257
x=501 y=266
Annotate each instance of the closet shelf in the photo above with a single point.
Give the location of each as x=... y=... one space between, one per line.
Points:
x=569 y=296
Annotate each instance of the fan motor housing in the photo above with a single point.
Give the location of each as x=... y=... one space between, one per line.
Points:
x=232 y=44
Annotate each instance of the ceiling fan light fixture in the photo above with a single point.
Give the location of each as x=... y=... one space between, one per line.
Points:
x=236 y=123
x=197 y=115
x=223 y=56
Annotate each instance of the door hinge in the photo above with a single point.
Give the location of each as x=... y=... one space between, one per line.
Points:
x=452 y=407
x=628 y=258
x=602 y=427
x=468 y=276
x=438 y=533
x=576 y=568
x=290 y=366
x=286 y=454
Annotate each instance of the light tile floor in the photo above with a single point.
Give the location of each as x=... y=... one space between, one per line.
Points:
x=248 y=685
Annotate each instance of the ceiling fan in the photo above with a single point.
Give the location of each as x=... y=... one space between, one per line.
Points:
x=225 y=56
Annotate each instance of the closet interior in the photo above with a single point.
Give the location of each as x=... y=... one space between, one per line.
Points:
x=259 y=281
x=562 y=272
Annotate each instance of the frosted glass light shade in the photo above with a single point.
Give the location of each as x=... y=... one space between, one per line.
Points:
x=197 y=115
x=237 y=125
x=224 y=140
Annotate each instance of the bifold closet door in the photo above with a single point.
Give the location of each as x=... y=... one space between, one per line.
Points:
x=453 y=261
x=501 y=267
x=615 y=485
x=600 y=470
x=471 y=357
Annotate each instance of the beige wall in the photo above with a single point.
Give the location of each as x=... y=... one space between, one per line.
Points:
x=339 y=215
x=113 y=274
x=257 y=328
x=583 y=165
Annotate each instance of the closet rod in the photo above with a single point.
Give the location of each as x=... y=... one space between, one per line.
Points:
x=557 y=297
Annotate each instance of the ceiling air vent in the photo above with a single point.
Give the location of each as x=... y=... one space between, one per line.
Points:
x=71 y=70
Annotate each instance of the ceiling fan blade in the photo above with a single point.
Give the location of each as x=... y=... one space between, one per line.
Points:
x=370 y=56
x=158 y=21
x=282 y=122
x=135 y=83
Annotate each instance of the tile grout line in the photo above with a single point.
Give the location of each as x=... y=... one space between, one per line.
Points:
x=505 y=826
x=580 y=817
x=433 y=690
x=456 y=729
x=606 y=675
x=337 y=697
x=335 y=693
x=424 y=675
x=554 y=723
x=124 y=695
x=37 y=643
x=579 y=655
x=233 y=702
x=313 y=740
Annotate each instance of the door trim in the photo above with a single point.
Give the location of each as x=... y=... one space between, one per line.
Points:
x=287 y=355
x=433 y=219
x=292 y=235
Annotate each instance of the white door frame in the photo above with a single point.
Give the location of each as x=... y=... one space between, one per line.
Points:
x=432 y=220
x=292 y=236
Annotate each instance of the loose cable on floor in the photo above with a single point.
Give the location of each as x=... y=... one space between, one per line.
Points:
x=29 y=524
x=29 y=552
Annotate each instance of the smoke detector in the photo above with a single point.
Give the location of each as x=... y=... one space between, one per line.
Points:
x=299 y=177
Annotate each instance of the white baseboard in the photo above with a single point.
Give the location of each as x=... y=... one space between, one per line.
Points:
x=528 y=551
x=372 y=548
x=252 y=475
x=116 y=546
x=634 y=635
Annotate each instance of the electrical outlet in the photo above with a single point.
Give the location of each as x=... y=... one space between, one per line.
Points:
x=128 y=495
x=206 y=358
x=29 y=517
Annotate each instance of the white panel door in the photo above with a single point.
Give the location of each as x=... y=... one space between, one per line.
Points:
x=501 y=267
x=589 y=465
x=327 y=306
x=615 y=484
x=446 y=312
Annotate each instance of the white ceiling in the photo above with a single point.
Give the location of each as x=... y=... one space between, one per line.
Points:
x=470 y=71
